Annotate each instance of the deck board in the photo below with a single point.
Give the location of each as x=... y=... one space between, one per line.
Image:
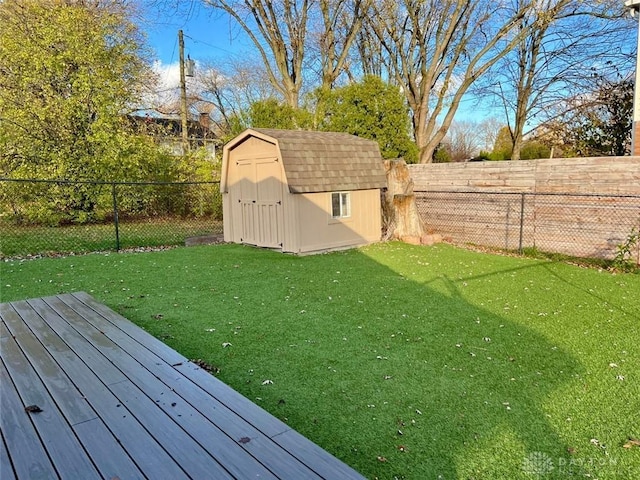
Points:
x=148 y=454
x=21 y=435
x=66 y=395
x=118 y=403
x=57 y=435
x=6 y=470
x=143 y=395
x=176 y=396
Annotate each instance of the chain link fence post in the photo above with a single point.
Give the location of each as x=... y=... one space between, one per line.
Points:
x=115 y=215
x=520 y=240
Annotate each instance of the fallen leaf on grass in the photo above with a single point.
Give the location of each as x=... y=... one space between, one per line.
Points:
x=382 y=459
x=632 y=442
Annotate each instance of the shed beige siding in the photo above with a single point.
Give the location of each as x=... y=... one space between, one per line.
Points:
x=263 y=206
x=256 y=186
x=318 y=231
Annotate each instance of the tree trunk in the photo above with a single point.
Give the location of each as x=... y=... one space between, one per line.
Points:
x=517 y=148
x=400 y=212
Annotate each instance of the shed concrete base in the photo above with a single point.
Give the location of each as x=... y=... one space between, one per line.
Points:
x=204 y=240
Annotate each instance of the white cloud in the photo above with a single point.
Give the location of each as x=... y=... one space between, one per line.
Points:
x=168 y=75
x=165 y=94
x=167 y=89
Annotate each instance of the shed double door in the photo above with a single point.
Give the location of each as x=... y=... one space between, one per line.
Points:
x=261 y=202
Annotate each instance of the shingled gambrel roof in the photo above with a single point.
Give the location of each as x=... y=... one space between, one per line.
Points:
x=327 y=161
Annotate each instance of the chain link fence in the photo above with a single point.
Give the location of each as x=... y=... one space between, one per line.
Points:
x=579 y=225
x=39 y=217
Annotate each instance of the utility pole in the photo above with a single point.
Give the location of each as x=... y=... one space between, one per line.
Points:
x=634 y=8
x=183 y=97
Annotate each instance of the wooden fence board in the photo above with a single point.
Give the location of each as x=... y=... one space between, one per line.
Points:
x=608 y=175
x=579 y=225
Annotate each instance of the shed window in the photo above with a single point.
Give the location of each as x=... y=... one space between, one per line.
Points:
x=340 y=204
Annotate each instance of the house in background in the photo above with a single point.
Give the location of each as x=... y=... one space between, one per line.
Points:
x=301 y=192
x=165 y=127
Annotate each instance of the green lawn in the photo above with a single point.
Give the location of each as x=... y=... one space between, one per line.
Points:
x=404 y=361
x=157 y=231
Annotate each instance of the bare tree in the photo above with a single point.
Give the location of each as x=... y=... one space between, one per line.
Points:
x=293 y=36
x=463 y=140
x=341 y=23
x=488 y=129
x=369 y=56
x=279 y=32
x=567 y=44
x=436 y=49
x=232 y=88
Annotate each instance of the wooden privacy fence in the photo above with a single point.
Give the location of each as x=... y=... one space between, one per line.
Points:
x=600 y=175
x=582 y=225
x=584 y=207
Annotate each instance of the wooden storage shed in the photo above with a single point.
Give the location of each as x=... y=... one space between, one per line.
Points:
x=301 y=192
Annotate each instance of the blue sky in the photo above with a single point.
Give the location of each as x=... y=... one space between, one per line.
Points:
x=210 y=36
x=207 y=35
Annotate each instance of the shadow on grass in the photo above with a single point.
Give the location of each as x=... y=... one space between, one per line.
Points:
x=624 y=309
x=374 y=354
x=457 y=386
x=400 y=377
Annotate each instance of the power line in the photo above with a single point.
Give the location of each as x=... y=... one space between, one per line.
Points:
x=208 y=44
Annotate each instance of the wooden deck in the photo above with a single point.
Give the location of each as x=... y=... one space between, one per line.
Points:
x=118 y=404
